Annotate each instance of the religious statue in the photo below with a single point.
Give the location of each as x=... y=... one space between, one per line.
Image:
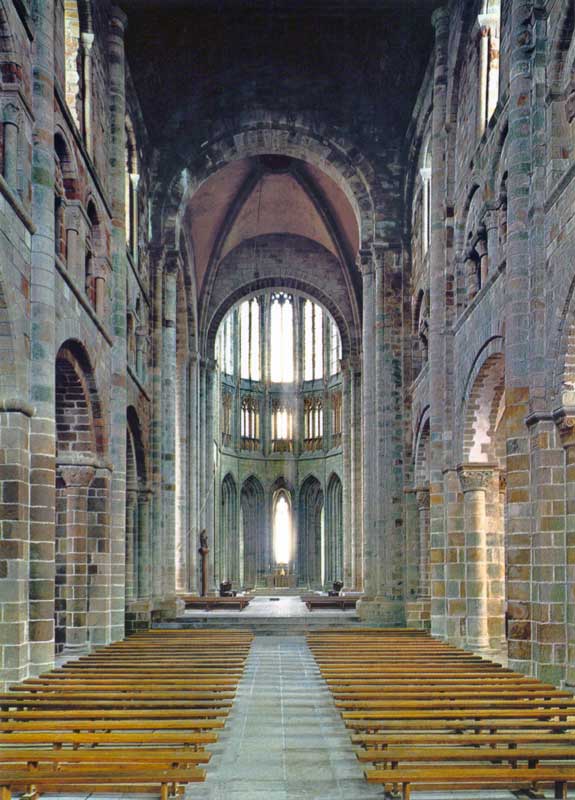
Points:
x=203 y=551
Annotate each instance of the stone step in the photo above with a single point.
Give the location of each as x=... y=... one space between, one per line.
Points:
x=265 y=626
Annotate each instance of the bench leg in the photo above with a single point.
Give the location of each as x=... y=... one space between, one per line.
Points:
x=5 y=793
x=406 y=787
x=164 y=791
x=560 y=790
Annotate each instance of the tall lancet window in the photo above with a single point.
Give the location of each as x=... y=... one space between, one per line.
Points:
x=313 y=341
x=489 y=35
x=425 y=175
x=250 y=339
x=282 y=528
x=281 y=338
x=226 y=345
x=334 y=349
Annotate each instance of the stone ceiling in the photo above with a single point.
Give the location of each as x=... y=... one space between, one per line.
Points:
x=355 y=64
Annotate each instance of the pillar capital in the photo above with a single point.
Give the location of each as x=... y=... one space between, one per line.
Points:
x=422 y=494
x=77 y=476
x=476 y=477
x=365 y=261
x=440 y=18
x=565 y=421
x=118 y=21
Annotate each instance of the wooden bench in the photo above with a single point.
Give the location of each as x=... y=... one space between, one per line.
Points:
x=321 y=601
x=447 y=777
x=101 y=757
x=170 y=782
x=208 y=603
x=395 y=755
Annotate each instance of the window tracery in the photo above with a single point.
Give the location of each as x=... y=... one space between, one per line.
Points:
x=250 y=340
x=313 y=341
x=282 y=427
x=281 y=342
x=250 y=424
x=489 y=35
x=313 y=423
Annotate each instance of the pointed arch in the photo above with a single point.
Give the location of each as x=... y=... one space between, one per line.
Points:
x=257 y=550
x=310 y=533
x=334 y=530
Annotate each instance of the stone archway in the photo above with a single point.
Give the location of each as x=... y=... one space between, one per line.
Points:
x=310 y=534
x=81 y=487
x=482 y=474
x=257 y=555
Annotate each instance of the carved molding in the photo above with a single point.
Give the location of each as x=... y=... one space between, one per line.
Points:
x=77 y=476
x=476 y=477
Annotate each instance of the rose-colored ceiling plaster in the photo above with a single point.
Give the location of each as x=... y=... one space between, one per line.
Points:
x=276 y=204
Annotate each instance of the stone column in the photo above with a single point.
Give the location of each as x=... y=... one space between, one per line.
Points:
x=346 y=440
x=438 y=421
x=171 y=267
x=14 y=541
x=422 y=494
x=131 y=534
x=475 y=481
x=87 y=40
x=144 y=549
x=209 y=465
x=519 y=320
x=566 y=425
x=156 y=430
x=117 y=88
x=193 y=448
x=371 y=556
x=43 y=347
x=77 y=480
x=357 y=488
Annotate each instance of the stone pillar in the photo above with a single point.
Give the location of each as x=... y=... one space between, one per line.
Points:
x=43 y=346
x=14 y=541
x=518 y=322
x=209 y=465
x=99 y=557
x=156 y=429
x=371 y=555
x=357 y=490
x=346 y=441
x=475 y=481
x=422 y=495
x=438 y=422
x=144 y=550
x=169 y=427
x=77 y=480
x=131 y=534
x=193 y=475
x=567 y=432
x=117 y=88
x=87 y=40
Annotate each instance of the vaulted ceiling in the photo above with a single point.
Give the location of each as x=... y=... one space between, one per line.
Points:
x=256 y=196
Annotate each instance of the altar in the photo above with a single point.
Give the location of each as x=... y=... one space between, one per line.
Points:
x=281 y=578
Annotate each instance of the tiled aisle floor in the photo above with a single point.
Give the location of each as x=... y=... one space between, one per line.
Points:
x=285 y=740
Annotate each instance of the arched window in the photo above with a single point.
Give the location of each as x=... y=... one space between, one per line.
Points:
x=425 y=175
x=250 y=423
x=334 y=349
x=489 y=27
x=73 y=60
x=282 y=355
x=282 y=427
x=313 y=341
x=282 y=528
x=131 y=181
x=226 y=345
x=250 y=340
x=313 y=423
x=90 y=278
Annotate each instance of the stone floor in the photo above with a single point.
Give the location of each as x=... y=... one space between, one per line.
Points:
x=284 y=740
x=263 y=606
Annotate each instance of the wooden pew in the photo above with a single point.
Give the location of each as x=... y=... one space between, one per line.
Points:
x=453 y=776
x=322 y=601
x=209 y=603
x=170 y=782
